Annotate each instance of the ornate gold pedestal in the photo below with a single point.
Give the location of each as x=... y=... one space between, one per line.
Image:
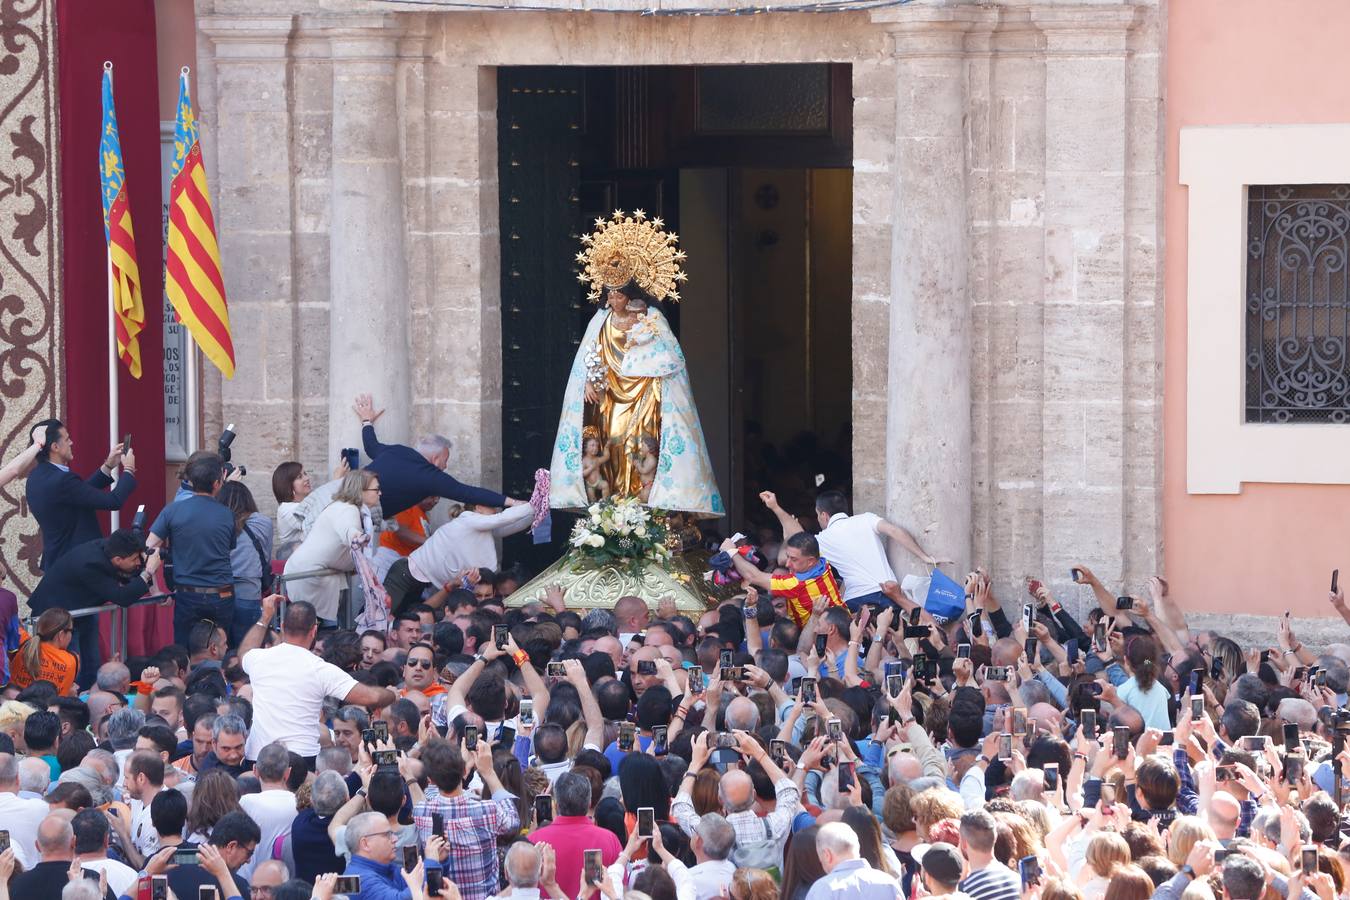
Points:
x=591 y=586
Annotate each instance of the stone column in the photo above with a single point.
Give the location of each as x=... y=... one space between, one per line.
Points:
x=369 y=344
x=1086 y=270
x=928 y=424
x=243 y=83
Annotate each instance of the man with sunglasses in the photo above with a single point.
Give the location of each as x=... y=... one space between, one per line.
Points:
x=419 y=672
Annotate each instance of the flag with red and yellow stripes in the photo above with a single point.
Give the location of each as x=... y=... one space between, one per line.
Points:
x=125 y=289
x=192 y=276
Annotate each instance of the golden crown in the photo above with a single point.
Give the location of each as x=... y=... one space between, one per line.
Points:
x=631 y=248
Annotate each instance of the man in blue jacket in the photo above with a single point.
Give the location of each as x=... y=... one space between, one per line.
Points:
x=66 y=505
x=375 y=859
x=409 y=476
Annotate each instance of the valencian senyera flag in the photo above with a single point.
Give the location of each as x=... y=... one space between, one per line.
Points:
x=192 y=276
x=125 y=288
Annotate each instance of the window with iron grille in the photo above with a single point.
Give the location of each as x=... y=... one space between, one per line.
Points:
x=1298 y=303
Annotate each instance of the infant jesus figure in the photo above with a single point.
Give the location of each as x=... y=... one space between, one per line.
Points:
x=595 y=454
x=647 y=456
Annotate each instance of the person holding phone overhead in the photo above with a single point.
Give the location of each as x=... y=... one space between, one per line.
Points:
x=66 y=505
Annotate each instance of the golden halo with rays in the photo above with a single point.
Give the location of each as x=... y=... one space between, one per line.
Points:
x=628 y=248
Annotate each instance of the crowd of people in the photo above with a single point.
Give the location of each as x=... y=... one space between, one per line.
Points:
x=820 y=734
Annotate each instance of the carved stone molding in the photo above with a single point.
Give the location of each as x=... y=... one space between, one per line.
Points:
x=30 y=308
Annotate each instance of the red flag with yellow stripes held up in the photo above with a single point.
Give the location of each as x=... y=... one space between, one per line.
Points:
x=192 y=275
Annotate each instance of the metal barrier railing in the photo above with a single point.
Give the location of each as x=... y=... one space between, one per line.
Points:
x=346 y=608
x=117 y=634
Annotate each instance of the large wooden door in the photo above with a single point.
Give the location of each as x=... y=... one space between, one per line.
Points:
x=540 y=122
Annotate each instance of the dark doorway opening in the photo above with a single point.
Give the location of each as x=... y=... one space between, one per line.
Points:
x=750 y=165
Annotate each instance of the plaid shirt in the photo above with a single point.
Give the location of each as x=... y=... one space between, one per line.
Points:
x=471 y=830
x=1183 y=764
x=748 y=826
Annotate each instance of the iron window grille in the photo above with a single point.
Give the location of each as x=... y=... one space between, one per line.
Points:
x=1298 y=303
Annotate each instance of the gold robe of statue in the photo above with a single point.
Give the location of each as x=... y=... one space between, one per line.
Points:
x=629 y=410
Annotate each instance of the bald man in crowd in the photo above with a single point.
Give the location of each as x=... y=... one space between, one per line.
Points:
x=632 y=615
x=737 y=793
x=56 y=849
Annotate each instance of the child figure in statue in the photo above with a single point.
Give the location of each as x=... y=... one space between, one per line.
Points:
x=595 y=455
x=647 y=455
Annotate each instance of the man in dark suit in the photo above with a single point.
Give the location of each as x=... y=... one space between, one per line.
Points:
x=115 y=569
x=64 y=504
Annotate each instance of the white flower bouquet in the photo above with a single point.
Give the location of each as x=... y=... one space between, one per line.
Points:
x=621 y=530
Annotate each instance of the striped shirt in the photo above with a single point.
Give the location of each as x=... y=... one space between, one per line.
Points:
x=803 y=591
x=994 y=882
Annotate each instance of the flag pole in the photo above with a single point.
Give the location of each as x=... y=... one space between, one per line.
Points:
x=190 y=386
x=115 y=517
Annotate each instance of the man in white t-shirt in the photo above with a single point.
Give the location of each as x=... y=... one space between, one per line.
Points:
x=273 y=808
x=855 y=546
x=144 y=771
x=91 y=849
x=290 y=683
x=21 y=817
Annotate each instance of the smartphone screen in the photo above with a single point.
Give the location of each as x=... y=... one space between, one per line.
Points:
x=1051 y=772
x=696 y=679
x=808 y=690
x=438 y=824
x=1120 y=737
x=1071 y=651
x=820 y=645
x=381 y=729
x=435 y=882
x=500 y=635
x=1029 y=868
x=543 y=809
x=846 y=777
x=625 y=737
x=778 y=750
x=963 y=651
x=724 y=658
x=159 y=887
x=409 y=857
x=347 y=884
x=1005 y=746
x=1099 y=637
x=1309 y=858
x=976 y=629
x=1108 y=795
x=1291 y=741
x=1028 y=615
x=1293 y=769
x=1197 y=708
x=894 y=685
x=4 y=841
x=659 y=745
x=1019 y=721
x=1032 y=650
x=526 y=716
x=593 y=866
x=835 y=729
x=1335 y=575
x=1089 y=717
x=646 y=820
x=471 y=737
x=205 y=892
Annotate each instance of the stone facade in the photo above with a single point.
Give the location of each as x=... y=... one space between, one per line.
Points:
x=1006 y=237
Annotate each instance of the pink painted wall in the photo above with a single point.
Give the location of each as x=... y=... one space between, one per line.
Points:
x=1229 y=62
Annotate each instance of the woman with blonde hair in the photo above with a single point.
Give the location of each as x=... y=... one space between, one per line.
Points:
x=752 y=884
x=1106 y=852
x=931 y=806
x=44 y=657
x=1129 y=882
x=1183 y=834
x=344 y=522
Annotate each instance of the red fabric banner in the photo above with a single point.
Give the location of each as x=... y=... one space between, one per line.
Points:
x=89 y=32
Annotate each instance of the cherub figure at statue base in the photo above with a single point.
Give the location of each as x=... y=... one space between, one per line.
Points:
x=648 y=454
x=595 y=455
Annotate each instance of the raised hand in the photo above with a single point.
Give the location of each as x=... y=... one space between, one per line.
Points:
x=364 y=407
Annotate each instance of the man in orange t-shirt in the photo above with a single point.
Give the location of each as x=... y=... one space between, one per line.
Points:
x=412 y=528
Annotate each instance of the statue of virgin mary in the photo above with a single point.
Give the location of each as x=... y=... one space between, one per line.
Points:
x=629 y=427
